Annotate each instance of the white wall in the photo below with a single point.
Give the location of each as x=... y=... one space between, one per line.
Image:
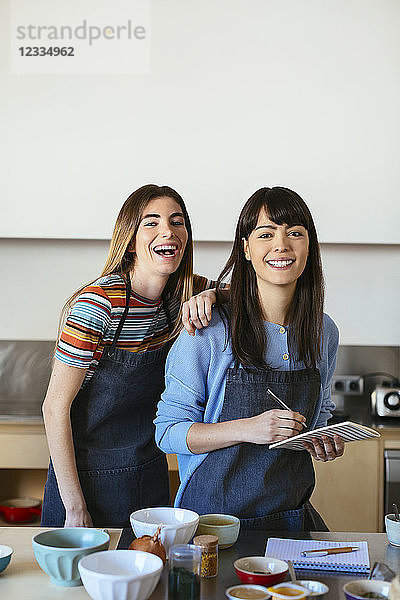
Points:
x=239 y=95
x=363 y=285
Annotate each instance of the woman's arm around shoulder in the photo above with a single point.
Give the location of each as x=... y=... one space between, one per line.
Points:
x=197 y=311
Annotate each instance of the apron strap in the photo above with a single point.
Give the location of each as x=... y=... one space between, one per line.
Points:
x=167 y=313
x=124 y=315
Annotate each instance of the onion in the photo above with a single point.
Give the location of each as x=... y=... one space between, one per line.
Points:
x=150 y=543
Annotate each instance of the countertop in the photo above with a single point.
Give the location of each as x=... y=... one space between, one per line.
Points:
x=252 y=543
x=24 y=578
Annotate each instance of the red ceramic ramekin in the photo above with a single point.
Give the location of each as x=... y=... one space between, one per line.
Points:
x=261 y=570
x=20 y=510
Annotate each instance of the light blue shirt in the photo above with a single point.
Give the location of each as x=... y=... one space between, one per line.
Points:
x=195 y=381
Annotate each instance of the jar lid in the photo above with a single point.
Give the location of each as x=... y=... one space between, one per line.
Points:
x=205 y=541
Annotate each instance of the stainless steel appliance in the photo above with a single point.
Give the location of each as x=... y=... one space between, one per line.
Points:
x=392 y=479
x=385 y=402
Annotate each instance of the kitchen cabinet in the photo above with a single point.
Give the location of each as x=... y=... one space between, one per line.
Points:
x=347 y=489
x=349 y=492
x=24 y=458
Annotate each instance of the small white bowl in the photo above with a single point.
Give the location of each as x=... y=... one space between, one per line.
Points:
x=356 y=590
x=178 y=524
x=243 y=588
x=116 y=574
x=392 y=529
x=317 y=589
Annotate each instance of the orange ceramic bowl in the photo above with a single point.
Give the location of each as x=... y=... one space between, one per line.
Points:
x=262 y=570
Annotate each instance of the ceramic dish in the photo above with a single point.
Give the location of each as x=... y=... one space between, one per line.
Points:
x=58 y=551
x=117 y=574
x=316 y=589
x=20 y=510
x=5 y=557
x=392 y=527
x=357 y=590
x=287 y=591
x=178 y=524
x=261 y=570
x=247 y=592
x=225 y=527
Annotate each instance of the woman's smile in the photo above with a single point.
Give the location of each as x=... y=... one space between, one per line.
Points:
x=166 y=251
x=281 y=263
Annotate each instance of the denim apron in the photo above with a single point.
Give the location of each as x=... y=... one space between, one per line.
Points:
x=266 y=489
x=119 y=465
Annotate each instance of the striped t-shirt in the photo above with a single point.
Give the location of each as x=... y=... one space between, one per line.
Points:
x=94 y=317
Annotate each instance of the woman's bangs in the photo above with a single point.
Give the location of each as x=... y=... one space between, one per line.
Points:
x=286 y=207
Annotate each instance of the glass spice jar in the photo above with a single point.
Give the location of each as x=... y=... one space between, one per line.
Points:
x=184 y=572
x=209 y=554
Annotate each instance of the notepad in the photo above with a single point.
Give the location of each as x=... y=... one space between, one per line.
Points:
x=350 y=562
x=348 y=431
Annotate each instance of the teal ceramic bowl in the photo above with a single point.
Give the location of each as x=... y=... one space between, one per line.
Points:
x=58 y=551
x=5 y=557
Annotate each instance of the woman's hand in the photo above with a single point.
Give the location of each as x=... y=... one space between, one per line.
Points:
x=78 y=518
x=273 y=426
x=196 y=312
x=266 y=428
x=327 y=449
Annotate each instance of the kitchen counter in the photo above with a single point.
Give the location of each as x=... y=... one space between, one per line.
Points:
x=252 y=543
x=24 y=578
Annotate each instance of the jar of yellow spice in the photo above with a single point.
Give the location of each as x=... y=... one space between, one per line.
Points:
x=209 y=554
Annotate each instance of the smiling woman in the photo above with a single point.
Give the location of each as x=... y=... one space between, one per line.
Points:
x=109 y=367
x=216 y=412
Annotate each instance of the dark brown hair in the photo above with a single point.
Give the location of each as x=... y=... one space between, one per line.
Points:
x=243 y=314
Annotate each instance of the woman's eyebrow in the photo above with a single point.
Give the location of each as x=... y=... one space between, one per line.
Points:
x=275 y=226
x=266 y=227
x=156 y=216
x=151 y=215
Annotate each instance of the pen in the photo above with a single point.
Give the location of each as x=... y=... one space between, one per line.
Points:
x=281 y=402
x=326 y=551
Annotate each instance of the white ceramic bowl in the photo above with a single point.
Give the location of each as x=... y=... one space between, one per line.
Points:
x=233 y=591
x=178 y=524
x=392 y=529
x=354 y=589
x=116 y=574
x=317 y=589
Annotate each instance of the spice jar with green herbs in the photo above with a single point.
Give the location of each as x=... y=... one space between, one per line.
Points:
x=209 y=554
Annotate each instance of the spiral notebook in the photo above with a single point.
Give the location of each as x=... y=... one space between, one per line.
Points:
x=348 y=431
x=350 y=562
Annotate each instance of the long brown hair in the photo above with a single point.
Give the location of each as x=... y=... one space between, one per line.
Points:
x=243 y=313
x=121 y=260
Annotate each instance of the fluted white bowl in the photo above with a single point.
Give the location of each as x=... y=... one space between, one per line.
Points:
x=178 y=524
x=116 y=574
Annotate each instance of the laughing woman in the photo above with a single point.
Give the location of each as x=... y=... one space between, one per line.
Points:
x=215 y=412
x=109 y=367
